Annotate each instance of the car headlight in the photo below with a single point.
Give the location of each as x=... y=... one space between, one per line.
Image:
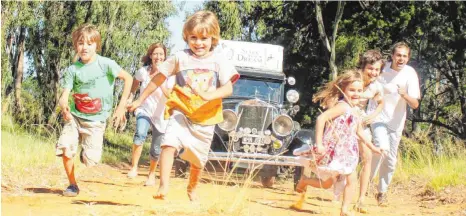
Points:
x=282 y=125
x=229 y=120
x=292 y=96
x=291 y=81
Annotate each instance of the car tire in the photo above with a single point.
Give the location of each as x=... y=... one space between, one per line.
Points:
x=267 y=181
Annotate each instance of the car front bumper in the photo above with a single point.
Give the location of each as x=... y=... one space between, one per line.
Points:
x=256 y=159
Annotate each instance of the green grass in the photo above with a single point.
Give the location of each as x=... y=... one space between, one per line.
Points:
x=27 y=155
x=438 y=171
x=118 y=148
x=449 y=173
x=21 y=151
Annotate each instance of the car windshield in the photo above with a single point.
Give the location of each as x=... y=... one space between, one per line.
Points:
x=266 y=90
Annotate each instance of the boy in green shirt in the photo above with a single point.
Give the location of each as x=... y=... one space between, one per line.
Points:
x=92 y=80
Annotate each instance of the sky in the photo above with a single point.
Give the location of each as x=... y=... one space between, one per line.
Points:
x=175 y=23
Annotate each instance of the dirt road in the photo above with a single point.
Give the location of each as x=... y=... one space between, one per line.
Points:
x=106 y=191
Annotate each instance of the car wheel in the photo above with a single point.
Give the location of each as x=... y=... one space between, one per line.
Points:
x=267 y=181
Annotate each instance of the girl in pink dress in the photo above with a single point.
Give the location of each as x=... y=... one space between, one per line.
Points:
x=335 y=154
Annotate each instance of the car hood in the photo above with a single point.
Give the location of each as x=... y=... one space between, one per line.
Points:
x=232 y=103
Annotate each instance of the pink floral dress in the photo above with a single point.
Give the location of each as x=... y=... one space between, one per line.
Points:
x=341 y=144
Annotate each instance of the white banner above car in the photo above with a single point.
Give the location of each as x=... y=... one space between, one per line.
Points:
x=255 y=55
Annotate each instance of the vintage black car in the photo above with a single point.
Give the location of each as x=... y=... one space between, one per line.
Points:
x=258 y=128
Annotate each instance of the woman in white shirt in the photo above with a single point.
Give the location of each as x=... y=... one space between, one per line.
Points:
x=151 y=111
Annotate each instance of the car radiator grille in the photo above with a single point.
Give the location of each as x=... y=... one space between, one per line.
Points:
x=254 y=117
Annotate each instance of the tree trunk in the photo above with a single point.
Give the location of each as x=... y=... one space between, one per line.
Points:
x=54 y=90
x=333 y=66
x=19 y=68
x=111 y=19
x=329 y=47
x=424 y=82
x=463 y=119
x=436 y=91
x=89 y=12
x=9 y=52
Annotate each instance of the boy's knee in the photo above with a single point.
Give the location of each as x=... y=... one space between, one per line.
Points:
x=65 y=151
x=90 y=157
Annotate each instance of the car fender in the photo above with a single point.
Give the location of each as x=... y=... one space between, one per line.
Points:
x=301 y=137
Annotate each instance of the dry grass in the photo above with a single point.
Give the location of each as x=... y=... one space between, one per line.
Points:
x=437 y=168
x=26 y=158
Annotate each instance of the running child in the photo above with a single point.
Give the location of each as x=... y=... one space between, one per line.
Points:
x=195 y=105
x=91 y=79
x=335 y=155
x=371 y=104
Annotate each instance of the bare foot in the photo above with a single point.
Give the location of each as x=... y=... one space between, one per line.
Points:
x=150 y=180
x=192 y=195
x=132 y=173
x=299 y=204
x=161 y=193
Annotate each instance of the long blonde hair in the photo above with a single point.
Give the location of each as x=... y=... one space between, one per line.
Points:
x=329 y=95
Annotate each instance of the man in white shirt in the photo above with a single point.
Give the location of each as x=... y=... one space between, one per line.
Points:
x=401 y=88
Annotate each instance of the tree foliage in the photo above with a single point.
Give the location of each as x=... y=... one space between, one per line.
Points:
x=434 y=30
x=39 y=32
x=126 y=28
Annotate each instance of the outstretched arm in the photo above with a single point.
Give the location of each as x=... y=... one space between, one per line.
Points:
x=221 y=92
x=134 y=88
x=155 y=82
x=367 y=142
x=120 y=110
x=63 y=103
x=370 y=118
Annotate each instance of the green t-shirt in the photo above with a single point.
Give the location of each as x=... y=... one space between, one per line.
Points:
x=97 y=79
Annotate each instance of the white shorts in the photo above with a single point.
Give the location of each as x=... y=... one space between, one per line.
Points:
x=194 y=139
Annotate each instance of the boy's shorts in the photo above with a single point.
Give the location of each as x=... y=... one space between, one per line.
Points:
x=194 y=139
x=90 y=134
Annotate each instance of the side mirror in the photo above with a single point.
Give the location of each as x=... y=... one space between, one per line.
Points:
x=291 y=81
